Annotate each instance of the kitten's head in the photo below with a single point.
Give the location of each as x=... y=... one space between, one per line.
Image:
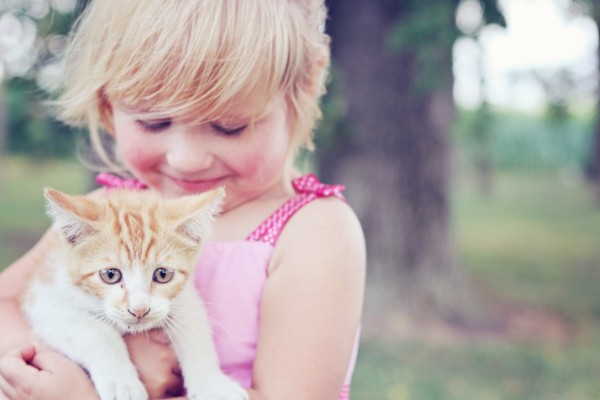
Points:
x=132 y=250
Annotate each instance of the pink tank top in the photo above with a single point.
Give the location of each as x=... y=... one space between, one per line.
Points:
x=230 y=277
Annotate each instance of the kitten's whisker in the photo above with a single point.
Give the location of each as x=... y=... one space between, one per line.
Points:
x=102 y=322
x=194 y=302
x=214 y=322
x=180 y=331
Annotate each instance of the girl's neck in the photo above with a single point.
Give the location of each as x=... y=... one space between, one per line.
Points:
x=237 y=221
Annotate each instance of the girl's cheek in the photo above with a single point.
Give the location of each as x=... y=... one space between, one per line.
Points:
x=135 y=151
x=139 y=157
x=133 y=146
x=253 y=160
x=263 y=165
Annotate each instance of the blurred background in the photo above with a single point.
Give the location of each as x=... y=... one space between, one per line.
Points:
x=466 y=132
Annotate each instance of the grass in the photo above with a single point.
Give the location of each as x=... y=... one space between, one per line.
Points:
x=22 y=218
x=534 y=243
x=477 y=371
x=535 y=239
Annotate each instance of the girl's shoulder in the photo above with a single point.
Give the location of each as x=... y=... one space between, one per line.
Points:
x=327 y=213
x=325 y=208
x=324 y=231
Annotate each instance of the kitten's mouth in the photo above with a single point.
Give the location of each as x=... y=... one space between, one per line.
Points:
x=138 y=325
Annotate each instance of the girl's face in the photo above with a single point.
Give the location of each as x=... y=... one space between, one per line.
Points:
x=176 y=157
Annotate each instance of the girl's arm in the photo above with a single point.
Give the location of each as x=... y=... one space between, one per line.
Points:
x=27 y=371
x=312 y=304
x=13 y=282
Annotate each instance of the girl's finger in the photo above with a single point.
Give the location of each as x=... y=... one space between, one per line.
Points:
x=159 y=336
x=15 y=375
x=49 y=360
x=27 y=352
x=7 y=392
x=12 y=367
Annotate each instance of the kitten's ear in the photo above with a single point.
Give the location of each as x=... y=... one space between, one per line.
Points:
x=195 y=214
x=72 y=215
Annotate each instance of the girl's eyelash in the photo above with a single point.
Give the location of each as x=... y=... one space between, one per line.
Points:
x=228 y=131
x=154 y=125
x=159 y=125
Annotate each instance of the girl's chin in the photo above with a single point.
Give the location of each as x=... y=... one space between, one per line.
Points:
x=170 y=189
x=198 y=186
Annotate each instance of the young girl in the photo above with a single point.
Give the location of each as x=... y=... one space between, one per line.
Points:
x=184 y=96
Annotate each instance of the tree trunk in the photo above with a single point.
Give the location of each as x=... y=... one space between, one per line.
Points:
x=395 y=157
x=596 y=161
x=3 y=132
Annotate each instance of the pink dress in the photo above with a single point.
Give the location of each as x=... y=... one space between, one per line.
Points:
x=231 y=275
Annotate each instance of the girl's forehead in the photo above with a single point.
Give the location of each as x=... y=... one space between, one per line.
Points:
x=253 y=106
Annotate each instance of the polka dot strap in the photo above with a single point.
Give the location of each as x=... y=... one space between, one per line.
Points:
x=115 y=182
x=308 y=188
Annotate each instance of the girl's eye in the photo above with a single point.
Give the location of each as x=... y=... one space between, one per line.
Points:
x=110 y=275
x=227 y=131
x=154 y=125
x=163 y=275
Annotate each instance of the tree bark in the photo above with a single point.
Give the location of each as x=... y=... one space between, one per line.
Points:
x=396 y=156
x=3 y=132
x=596 y=160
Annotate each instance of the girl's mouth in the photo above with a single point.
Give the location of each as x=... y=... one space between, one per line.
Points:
x=196 y=186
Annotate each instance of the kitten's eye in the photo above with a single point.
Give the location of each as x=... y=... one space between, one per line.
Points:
x=154 y=125
x=110 y=275
x=163 y=275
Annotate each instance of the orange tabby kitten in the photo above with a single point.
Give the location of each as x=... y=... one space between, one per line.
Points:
x=124 y=266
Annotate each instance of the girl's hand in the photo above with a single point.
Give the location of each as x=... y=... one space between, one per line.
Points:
x=156 y=364
x=38 y=374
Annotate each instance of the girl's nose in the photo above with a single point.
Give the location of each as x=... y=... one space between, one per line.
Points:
x=189 y=153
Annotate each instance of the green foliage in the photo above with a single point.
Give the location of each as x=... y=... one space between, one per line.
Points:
x=31 y=129
x=425 y=25
x=492 y=13
x=426 y=31
x=527 y=141
x=334 y=128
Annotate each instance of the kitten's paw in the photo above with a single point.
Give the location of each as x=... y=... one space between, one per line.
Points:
x=219 y=388
x=117 y=387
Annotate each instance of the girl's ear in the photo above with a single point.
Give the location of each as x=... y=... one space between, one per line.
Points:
x=105 y=112
x=194 y=214
x=74 y=216
x=315 y=81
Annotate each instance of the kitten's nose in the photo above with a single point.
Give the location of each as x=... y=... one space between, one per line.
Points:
x=139 y=312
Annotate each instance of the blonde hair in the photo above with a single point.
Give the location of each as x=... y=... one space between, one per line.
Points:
x=182 y=58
